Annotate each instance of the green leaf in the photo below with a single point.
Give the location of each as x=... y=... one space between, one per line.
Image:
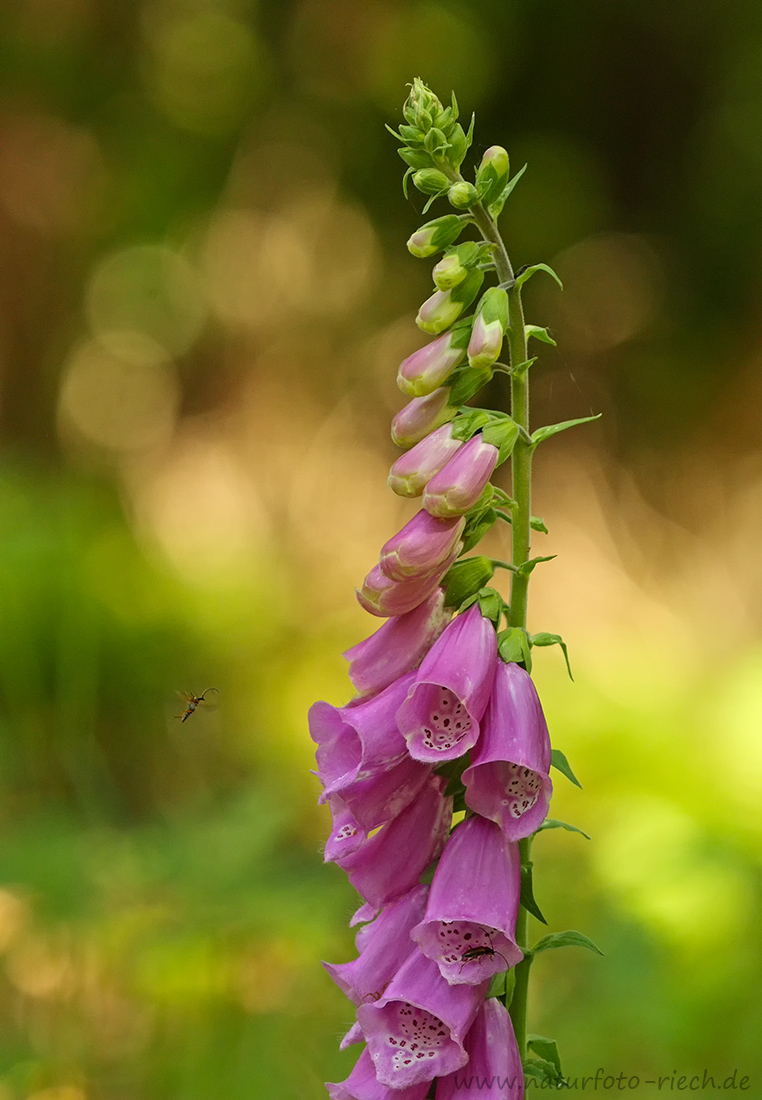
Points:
x=452 y=770
x=553 y=429
x=405 y=178
x=468 y=382
x=540 y=1070
x=502 y=435
x=468 y=423
x=559 y=761
x=546 y=1050
x=495 y=208
x=477 y=527
x=528 y=566
x=513 y=646
x=538 y=525
x=537 y=333
x=491 y=604
x=565 y=939
x=551 y=823
x=465 y=578
x=522 y=368
x=553 y=639
x=527 y=893
x=528 y=272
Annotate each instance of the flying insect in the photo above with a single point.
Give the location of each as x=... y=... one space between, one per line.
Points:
x=192 y=701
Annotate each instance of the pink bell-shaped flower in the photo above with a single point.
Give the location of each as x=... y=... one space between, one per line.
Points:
x=415 y=1031
x=390 y=862
x=397 y=646
x=362 y=1084
x=494 y=1061
x=449 y=692
x=508 y=780
x=469 y=927
x=384 y=944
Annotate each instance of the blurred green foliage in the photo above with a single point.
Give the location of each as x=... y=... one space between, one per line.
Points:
x=204 y=295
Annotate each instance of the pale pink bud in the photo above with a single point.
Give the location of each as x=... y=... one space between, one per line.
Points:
x=426 y=369
x=459 y=484
x=421 y=547
x=421 y=416
x=485 y=343
x=410 y=473
x=382 y=596
x=439 y=312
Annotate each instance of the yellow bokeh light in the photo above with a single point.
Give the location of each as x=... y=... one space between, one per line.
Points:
x=120 y=394
x=149 y=289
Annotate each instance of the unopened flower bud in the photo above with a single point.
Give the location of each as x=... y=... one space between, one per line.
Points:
x=492 y=173
x=380 y=595
x=431 y=181
x=426 y=369
x=435 y=235
x=463 y=195
x=411 y=472
x=420 y=548
x=486 y=342
x=489 y=328
x=421 y=416
x=444 y=307
x=459 y=484
x=455 y=265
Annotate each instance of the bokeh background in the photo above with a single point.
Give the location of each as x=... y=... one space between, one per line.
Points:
x=204 y=296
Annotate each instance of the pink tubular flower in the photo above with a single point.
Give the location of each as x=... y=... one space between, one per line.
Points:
x=367 y=774
x=415 y=1031
x=391 y=861
x=421 y=416
x=426 y=369
x=422 y=546
x=493 y=1058
x=362 y=1084
x=470 y=923
x=459 y=484
x=508 y=779
x=449 y=692
x=382 y=596
x=410 y=473
x=383 y=945
x=397 y=646
x=363 y=735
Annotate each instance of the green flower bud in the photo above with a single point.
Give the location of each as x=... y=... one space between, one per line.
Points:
x=463 y=195
x=453 y=268
x=436 y=235
x=492 y=173
x=421 y=106
x=444 y=307
x=430 y=181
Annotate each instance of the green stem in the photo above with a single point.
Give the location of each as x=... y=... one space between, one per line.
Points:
x=521 y=514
